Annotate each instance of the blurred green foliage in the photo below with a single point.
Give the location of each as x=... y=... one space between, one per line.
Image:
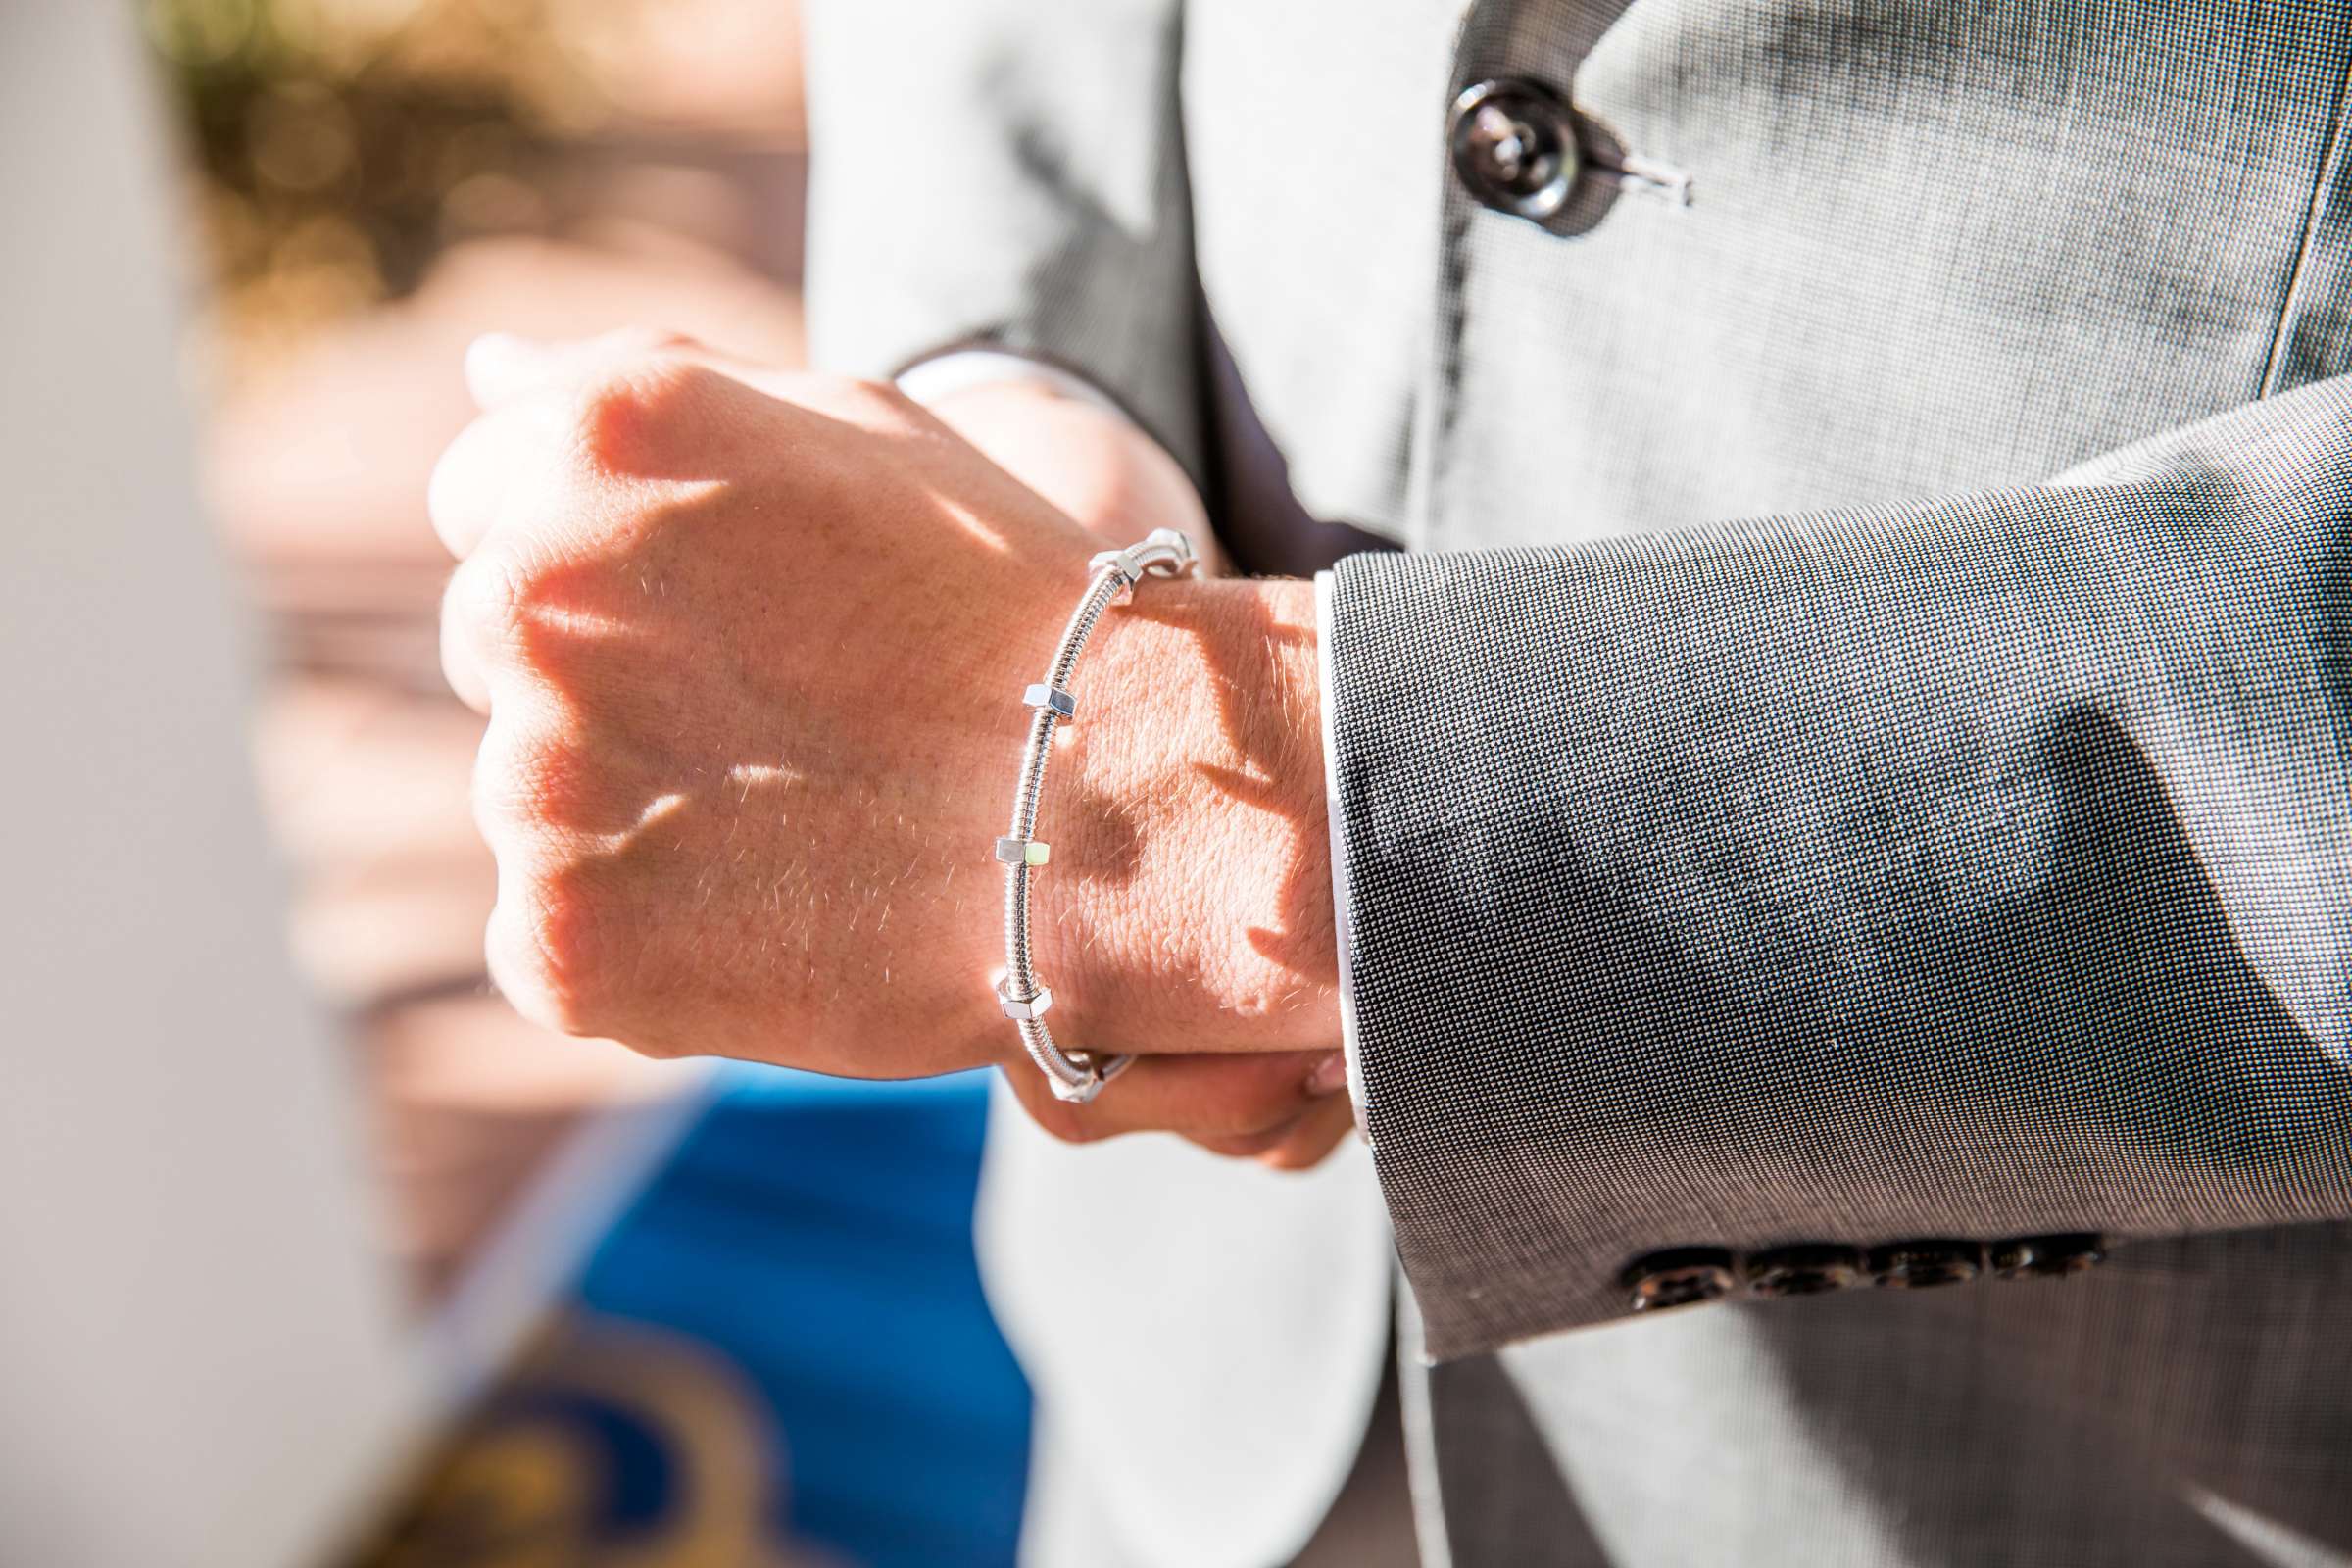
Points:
x=342 y=143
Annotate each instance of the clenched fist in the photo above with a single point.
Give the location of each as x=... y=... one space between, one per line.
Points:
x=752 y=644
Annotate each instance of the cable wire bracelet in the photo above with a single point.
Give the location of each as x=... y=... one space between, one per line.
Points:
x=1073 y=1074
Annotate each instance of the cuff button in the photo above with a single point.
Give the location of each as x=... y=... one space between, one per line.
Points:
x=1920 y=1265
x=1685 y=1275
x=1808 y=1269
x=2043 y=1257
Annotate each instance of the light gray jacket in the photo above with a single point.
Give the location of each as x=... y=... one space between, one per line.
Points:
x=1958 y=851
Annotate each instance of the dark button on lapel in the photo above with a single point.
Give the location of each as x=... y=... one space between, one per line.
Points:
x=1809 y=1269
x=1515 y=146
x=2047 y=1256
x=1916 y=1265
x=1682 y=1276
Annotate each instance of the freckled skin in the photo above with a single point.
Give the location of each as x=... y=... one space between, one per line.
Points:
x=752 y=646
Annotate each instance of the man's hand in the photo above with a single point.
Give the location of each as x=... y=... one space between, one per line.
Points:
x=752 y=644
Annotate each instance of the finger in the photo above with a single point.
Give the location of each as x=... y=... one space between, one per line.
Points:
x=467 y=495
x=482 y=623
x=1296 y=1145
x=1245 y=1103
x=1311 y=1140
x=460 y=661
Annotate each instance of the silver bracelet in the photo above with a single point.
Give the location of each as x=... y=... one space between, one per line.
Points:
x=1073 y=1076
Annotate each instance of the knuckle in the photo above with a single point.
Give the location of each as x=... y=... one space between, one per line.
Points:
x=456 y=493
x=515 y=606
x=460 y=670
x=537 y=786
x=505 y=770
x=626 y=417
x=542 y=949
x=488 y=597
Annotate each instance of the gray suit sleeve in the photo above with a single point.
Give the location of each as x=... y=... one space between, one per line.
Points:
x=1969 y=868
x=1007 y=173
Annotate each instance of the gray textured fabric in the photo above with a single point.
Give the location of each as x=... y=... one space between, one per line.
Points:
x=1977 y=868
x=1007 y=175
x=2182 y=1405
x=1885 y=866
x=1974 y=868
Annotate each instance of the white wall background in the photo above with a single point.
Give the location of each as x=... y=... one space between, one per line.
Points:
x=200 y=1361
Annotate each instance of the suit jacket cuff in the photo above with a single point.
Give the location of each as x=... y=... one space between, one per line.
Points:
x=1943 y=880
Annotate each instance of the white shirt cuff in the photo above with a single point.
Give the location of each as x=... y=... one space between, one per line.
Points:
x=943 y=375
x=1343 y=917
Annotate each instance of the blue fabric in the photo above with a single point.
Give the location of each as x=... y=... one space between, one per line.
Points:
x=817 y=1234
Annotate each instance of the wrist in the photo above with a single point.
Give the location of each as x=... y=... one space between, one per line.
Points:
x=1191 y=905
x=1085 y=458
